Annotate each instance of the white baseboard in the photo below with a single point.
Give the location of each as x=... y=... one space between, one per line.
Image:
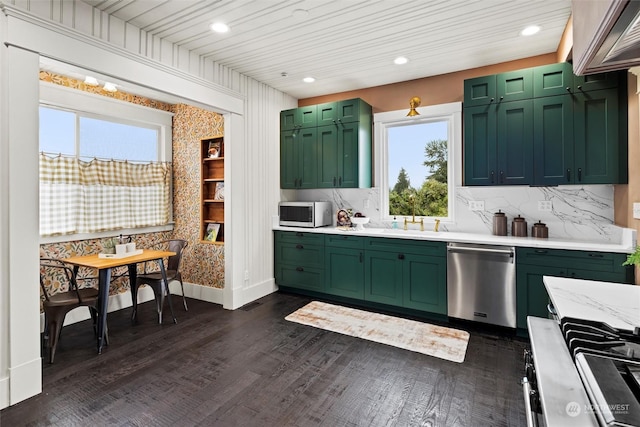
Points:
x=4 y=392
x=258 y=291
x=25 y=381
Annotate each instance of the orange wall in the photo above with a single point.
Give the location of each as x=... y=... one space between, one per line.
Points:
x=432 y=90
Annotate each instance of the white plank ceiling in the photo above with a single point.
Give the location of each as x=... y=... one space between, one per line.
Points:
x=348 y=44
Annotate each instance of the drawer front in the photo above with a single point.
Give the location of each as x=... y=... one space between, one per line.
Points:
x=420 y=247
x=301 y=277
x=300 y=237
x=300 y=254
x=342 y=241
x=583 y=260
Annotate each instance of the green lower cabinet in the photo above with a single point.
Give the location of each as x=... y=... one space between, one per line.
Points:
x=424 y=286
x=299 y=260
x=345 y=272
x=531 y=296
x=383 y=277
x=532 y=264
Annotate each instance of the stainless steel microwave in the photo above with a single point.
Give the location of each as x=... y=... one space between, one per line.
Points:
x=305 y=214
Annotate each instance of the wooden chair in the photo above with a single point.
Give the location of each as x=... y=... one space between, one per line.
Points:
x=154 y=279
x=57 y=305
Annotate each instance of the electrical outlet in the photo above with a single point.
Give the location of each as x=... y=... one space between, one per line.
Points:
x=476 y=205
x=246 y=275
x=545 y=205
x=636 y=210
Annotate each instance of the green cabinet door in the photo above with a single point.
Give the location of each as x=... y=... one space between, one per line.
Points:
x=383 y=277
x=553 y=79
x=514 y=85
x=480 y=91
x=343 y=157
x=480 y=154
x=597 y=139
x=352 y=110
x=425 y=283
x=531 y=296
x=514 y=140
x=345 y=272
x=553 y=140
x=327 y=113
x=298 y=158
x=297 y=118
x=597 y=81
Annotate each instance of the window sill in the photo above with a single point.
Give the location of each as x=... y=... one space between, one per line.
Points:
x=112 y=233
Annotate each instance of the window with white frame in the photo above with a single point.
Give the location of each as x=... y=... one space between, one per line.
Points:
x=102 y=164
x=419 y=157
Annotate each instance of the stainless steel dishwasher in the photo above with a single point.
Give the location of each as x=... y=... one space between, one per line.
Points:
x=481 y=283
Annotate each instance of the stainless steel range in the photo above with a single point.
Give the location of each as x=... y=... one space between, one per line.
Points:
x=581 y=373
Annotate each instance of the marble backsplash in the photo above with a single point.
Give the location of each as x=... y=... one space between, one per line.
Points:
x=578 y=212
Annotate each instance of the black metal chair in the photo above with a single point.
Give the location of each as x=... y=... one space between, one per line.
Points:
x=154 y=279
x=57 y=305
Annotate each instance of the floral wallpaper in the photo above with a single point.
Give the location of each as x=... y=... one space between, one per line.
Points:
x=202 y=263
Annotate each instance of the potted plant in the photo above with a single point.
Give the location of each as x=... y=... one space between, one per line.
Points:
x=633 y=258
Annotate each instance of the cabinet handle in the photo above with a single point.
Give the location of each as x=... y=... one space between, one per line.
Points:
x=492 y=175
x=491 y=100
x=568 y=89
x=299 y=269
x=540 y=251
x=334 y=181
x=339 y=181
x=400 y=256
x=501 y=177
x=579 y=87
x=360 y=257
x=568 y=174
x=299 y=234
x=579 y=174
x=299 y=247
x=596 y=255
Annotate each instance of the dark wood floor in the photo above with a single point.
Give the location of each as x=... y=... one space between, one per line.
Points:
x=250 y=367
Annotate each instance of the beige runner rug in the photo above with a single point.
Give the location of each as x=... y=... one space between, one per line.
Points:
x=438 y=341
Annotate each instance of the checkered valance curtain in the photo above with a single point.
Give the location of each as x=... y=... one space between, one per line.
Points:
x=86 y=197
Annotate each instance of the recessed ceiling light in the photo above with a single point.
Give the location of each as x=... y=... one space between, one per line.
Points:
x=400 y=60
x=219 y=27
x=308 y=80
x=530 y=30
x=110 y=87
x=91 y=81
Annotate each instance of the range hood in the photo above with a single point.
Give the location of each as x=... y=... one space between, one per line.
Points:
x=606 y=35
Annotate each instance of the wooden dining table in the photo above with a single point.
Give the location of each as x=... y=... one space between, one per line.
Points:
x=104 y=266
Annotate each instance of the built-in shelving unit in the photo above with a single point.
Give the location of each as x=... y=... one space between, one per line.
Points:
x=212 y=190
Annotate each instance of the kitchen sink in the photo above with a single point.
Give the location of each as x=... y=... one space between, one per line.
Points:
x=398 y=232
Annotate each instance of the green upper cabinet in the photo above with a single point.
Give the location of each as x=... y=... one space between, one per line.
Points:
x=479 y=91
x=298 y=158
x=499 y=143
x=346 y=111
x=553 y=140
x=342 y=148
x=514 y=85
x=553 y=79
x=597 y=138
x=297 y=118
x=505 y=87
x=572 y=130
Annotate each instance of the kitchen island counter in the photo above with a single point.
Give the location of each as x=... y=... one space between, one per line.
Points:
x=616 y=304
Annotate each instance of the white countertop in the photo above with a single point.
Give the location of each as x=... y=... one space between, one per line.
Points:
x=616 y=304
x=627 y=246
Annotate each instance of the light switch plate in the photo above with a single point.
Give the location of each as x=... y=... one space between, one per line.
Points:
x=636 y=210
x=476 y=205
x=545 y=205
